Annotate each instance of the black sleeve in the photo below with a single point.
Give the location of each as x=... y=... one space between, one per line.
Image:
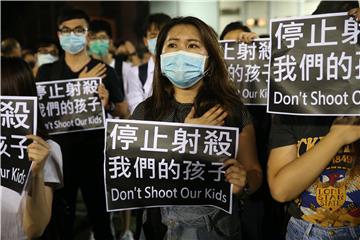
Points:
x=139 y=112
x=43 y=73
x=113 y=85
x=282 y=131
x=240 y=117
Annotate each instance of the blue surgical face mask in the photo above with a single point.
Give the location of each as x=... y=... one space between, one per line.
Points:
x=72 y=43
x=183 y=69
x=45 y=58
x=152 y=45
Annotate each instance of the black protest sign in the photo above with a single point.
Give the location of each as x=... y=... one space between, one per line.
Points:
x=160 y=164
x=315 y=65
x=70 y=105
x=18 y=119
x=248 y=66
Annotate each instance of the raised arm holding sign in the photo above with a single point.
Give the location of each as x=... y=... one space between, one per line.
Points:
x=314 y=160
x=23 y=193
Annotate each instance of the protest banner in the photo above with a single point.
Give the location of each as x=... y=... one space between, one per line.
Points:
x=18 y=118
x=151 y=164
x=70 y=105
x=248 y=67
x=315 y=65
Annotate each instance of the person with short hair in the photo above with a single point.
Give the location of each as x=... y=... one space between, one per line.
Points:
x=140 y=88
x=10 y=47
x=84 y=151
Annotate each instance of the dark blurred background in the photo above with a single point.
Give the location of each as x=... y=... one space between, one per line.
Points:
x=30 y=22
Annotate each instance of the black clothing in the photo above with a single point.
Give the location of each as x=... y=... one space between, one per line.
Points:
x=83 y=156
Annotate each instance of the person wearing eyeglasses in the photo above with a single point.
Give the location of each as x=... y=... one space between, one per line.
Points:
x=83 y=152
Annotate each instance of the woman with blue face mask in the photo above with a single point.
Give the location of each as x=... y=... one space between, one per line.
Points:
x=191 y=85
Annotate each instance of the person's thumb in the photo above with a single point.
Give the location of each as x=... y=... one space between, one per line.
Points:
x=84 y=70
x=191 y=114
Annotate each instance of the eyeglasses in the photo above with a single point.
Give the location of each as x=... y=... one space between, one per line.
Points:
x=78 y=31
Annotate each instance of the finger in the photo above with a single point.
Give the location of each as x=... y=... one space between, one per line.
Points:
x=214 y=118
x=101 y=87
x=191 y=114
x=232 y=161
x=223 y=116
x=101 y=71
x=84 y=70
x=98 y=68
x=35 y=156
x=236 y=178
x=352 y=12
x=38 y=139
x=211 y=111
x=237 y=185
x=36 y=146
x=235 y=169
x=103 y=76
x=217 y=113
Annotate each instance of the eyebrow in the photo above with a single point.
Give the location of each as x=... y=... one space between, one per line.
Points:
x=189 y=40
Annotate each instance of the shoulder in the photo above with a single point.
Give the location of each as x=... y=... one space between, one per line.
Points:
x=240 y=117
x=139 y=112
x=45 y=70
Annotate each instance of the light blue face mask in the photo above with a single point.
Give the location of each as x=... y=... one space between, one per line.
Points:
x=183 y=69
x=152 y=45
x=72 y=43
x=45 y=58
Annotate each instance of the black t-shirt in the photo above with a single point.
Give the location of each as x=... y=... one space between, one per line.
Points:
x=59 y=70
x=80 y=141
x=241 y=117
x=332 y=200
x=288 y=130
x=228 y=223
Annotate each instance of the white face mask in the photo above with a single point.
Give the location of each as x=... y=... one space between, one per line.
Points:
x=45 y=58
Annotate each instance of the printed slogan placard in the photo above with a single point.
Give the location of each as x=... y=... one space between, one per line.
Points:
x=151 y=164
x=248 y=66
x=315 y=66
x=70 y=105
x=18 y=119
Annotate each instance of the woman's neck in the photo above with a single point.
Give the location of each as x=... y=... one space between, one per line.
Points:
x=187 y=95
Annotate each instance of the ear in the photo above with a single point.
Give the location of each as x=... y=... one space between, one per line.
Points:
x=87 y=38
x=145 y=41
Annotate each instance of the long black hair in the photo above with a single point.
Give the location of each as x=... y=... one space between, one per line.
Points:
x=216 y=89
x=17 y=80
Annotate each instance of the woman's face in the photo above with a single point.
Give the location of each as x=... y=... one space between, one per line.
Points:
x=184 y=37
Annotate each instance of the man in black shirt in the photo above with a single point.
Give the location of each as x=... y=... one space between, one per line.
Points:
x=83 y=152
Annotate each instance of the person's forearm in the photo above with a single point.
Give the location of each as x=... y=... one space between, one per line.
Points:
x=254 y=179
x=121 y=110
x=37 y=211
x=298 y=175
